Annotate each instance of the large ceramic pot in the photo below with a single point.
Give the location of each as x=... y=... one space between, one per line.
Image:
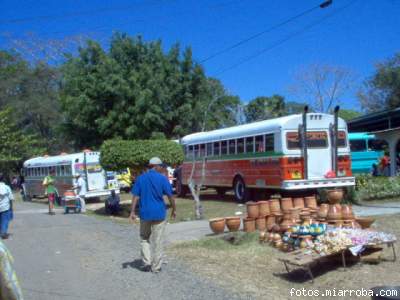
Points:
x=249 y=225
x=334 y=196
x=323 y=211
x=347 y=212
x=233 y=223
x=270 y=222
x=334 y=213
x=252 y=209
x=298 y=202
x=263 y=208
x=286 y=204
x=260 y=223
x=217 y=225
x=274 y=206
x=311 y=202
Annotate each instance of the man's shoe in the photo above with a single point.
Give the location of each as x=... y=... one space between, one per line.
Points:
x=156 y=271
x=5 y=236
x=145 y=268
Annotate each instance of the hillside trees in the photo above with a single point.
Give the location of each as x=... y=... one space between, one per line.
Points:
x=262 y=108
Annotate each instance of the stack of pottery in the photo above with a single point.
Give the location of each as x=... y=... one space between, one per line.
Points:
x=323 y=212
x=263 y=213
x=217 y=225
x=233 y=223
x=249 y=223
x=348 y=217
x=274 y=206
x=271 y=221
x=334 y=215
x=298 y=202
x=287 y=221
x=295 y=212
x=311 y=202
x=286 y=204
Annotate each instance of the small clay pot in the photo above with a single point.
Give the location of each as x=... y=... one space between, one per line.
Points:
x=252 y=209
x=278 y=217
x=217 y=225
x=249 y=225
x=323 y=211
x=298 y=202
x=262 y=236
x=334 y=196
x=233 y=223
x=334 y=213
x=295 y=212
x=286 y=224
x=274 y=206
x=263 y=208
x=286 y=204
x=347 y=212
x=310 y=202
x=260 y=223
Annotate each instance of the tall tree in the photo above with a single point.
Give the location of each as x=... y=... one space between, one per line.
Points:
x=348 y=114
x=294 y=107
x=262 y=108
x=382 y=90
x=322 y=85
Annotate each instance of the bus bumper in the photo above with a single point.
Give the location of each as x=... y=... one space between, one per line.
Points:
x=102 y=193
x=318 y=183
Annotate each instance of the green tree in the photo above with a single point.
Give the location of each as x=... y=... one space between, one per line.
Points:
x=294 y=107
x=136 y=89
x=348 y=114
x=262 y=108
x=382 y=90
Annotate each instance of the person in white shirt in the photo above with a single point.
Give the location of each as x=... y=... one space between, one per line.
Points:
x=80 y=187
x=6 y=196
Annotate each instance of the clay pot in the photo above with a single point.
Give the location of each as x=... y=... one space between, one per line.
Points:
x=314 y=213
x=286 y=224
x=277 y=237
x=311 y=201
x=347 y=212
x=365 y=222
x=260 y=223
x=295 y=212
x=252 y=209
x=274 y=206
x=270 y=237
x=233 y=223
x=286 y=204
x=278 y=217
x=298 y=202
x=278 y=244
x=262 y=236
x=323 y=211
x=334 y=196
x=249 y=225
x=217 y=225
x=334 y=213
x=263 y=208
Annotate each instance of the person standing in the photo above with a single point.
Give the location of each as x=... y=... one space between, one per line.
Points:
x=51 y=191
x=10 y=288
x=148 y=191
x=80 y=186
x=6 y=196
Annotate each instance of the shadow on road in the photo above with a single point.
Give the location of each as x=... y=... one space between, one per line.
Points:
x=136 y=264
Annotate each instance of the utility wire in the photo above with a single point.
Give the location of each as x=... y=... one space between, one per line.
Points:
x=254 y=36
x=289 y=37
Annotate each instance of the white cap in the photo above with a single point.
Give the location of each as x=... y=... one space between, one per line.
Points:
x=155 y=161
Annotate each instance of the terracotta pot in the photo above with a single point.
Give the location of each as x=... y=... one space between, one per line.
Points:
x=311 y=201
x=260 y=223
x=287 y=215
x=334 y=213
x=278 y=244
x=347 y=212
x=286 y=204
x=274 y=206
x=249 y=225
x=278 y=217
x=252 y=209
x=286 y=224
x=217 y=225
x=314 y=213
x=263 y=208
x=298 y=202
x=334 y=196
x=295 y=212
x=233 y=223
x=277 y=237
x=262 y=236
x=323 y=211
x=271 y=220
x=365 y=222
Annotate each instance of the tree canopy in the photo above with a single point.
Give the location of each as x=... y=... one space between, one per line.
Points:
x=262 y=108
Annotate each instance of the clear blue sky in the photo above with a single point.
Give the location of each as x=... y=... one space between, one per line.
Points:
x=357 y=37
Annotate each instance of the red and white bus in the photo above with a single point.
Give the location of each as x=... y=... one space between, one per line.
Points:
x=269 y=156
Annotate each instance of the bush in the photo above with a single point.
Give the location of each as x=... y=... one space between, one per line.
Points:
x=119 y=154
x=374 y=188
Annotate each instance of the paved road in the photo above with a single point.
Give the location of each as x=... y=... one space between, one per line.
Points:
x=82 y=257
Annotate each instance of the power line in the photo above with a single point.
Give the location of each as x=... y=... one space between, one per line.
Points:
x=254 y=36
x=289 y=37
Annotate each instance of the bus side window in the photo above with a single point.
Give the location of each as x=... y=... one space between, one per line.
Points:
x=232 y=146
x=224 y=147
x=269 y=142
x=240 y=146
x=209 y=149
x=341 y=142
x=217 y=149
x=377 y=145
x=68 y=170
x=58 y=171
x=196 y=151
x=190 y=152
x=202 y=150
x=358 y=145
x=249 y=144
x=260 y=143
x=62 y=170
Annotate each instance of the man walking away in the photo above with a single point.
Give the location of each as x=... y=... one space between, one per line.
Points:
x=6 y=196
x=149 y=190
x=80 y=186
x=49 y=184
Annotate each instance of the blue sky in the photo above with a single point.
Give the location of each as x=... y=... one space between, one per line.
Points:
x=363 y=34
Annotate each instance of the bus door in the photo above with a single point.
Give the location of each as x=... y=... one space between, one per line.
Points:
x=95 y=175
x=319 y=154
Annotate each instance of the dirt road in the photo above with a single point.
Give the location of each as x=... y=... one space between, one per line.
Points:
x=82 y=257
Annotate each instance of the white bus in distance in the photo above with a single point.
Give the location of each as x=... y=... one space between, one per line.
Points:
x=66 y=166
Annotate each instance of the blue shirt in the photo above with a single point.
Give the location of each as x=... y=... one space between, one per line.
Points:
x=150 y=188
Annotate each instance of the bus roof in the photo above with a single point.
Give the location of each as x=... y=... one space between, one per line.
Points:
x=315 y=121
x=360 y=136
x=43 y=161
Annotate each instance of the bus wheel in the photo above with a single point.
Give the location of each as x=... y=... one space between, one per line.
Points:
x=240 y=191
x=180 y=189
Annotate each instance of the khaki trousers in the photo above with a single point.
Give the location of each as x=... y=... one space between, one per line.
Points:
x=152 y=236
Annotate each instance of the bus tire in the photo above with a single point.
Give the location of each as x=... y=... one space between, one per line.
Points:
x=242 y=194
x=181 y=189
